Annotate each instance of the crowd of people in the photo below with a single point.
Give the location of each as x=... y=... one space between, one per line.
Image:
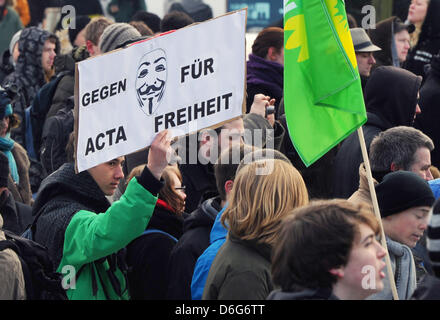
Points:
x=247 y=219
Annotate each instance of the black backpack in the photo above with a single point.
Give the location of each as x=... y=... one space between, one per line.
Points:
x=54 y=139
x=41 y=282
x=37 y=114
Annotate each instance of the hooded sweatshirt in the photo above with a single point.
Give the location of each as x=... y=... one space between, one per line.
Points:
x=390 y=99
x=28 y=76
x=428 y=43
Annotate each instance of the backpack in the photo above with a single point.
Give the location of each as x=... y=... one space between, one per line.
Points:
x=56 y=132
x=41 y=282
x=36 y=113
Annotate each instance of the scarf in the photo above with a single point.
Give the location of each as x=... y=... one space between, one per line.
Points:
x=404 y=270
x=264 y=72
x=6 y=145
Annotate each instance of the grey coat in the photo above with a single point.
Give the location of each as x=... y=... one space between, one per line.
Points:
x=11 y=275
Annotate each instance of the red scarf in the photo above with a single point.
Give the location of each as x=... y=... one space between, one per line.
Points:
x=162 y=204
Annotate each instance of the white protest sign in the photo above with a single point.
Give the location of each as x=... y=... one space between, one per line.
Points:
x=184 y=81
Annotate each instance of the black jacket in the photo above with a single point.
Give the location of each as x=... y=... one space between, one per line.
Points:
x=390 y=99
x=195 y=239
x=428 y=289
x=6 y=67
x=148 y=256
x=427 y=121
x=16 y=216
x=429 y=41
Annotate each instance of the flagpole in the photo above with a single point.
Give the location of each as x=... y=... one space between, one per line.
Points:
x=377 y=211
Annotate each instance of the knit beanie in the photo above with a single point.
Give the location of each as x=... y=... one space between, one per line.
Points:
x=4 y=170
x=80 y=23
x=116 y=35
x=401 y=190
x=433 y=239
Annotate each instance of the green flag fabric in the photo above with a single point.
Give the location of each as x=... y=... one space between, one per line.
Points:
x=323 y=97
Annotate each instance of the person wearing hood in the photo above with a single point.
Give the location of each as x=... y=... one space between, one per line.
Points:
x=197 y=227
x=425 y=40
x=34 y=68
x=427 y=121
x=10 y=23
x=396 y=106
x=148 y=256
x=393 y=36
x=405 y=202
x=323 y=250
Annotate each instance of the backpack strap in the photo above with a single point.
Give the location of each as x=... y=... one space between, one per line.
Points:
x=149 y=231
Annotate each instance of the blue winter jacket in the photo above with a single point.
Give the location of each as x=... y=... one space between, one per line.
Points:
x=204 y=262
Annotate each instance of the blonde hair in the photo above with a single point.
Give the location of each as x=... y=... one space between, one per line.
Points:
x=414 y=36
x=259 y=202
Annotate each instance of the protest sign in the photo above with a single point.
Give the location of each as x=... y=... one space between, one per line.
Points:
x=184 y=81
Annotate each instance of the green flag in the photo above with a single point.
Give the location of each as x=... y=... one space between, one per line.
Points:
x=322 y=89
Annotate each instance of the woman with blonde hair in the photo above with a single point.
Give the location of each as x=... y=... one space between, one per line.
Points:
x=264 y=192
x=425 y=40
x=149 y=254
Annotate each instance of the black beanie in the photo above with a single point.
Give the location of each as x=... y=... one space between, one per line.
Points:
x=80 y=23
x=4 y=170
x=401 y=190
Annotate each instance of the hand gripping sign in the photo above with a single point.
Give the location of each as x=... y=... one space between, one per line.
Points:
x=184 y=81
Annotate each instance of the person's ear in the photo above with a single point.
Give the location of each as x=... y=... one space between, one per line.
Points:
x=338 y=272
x=272 y=54
x=89 y=45
x=394 y=167
x=228 y=186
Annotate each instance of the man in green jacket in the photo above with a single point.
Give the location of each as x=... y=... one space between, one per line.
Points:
x=84 y=234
